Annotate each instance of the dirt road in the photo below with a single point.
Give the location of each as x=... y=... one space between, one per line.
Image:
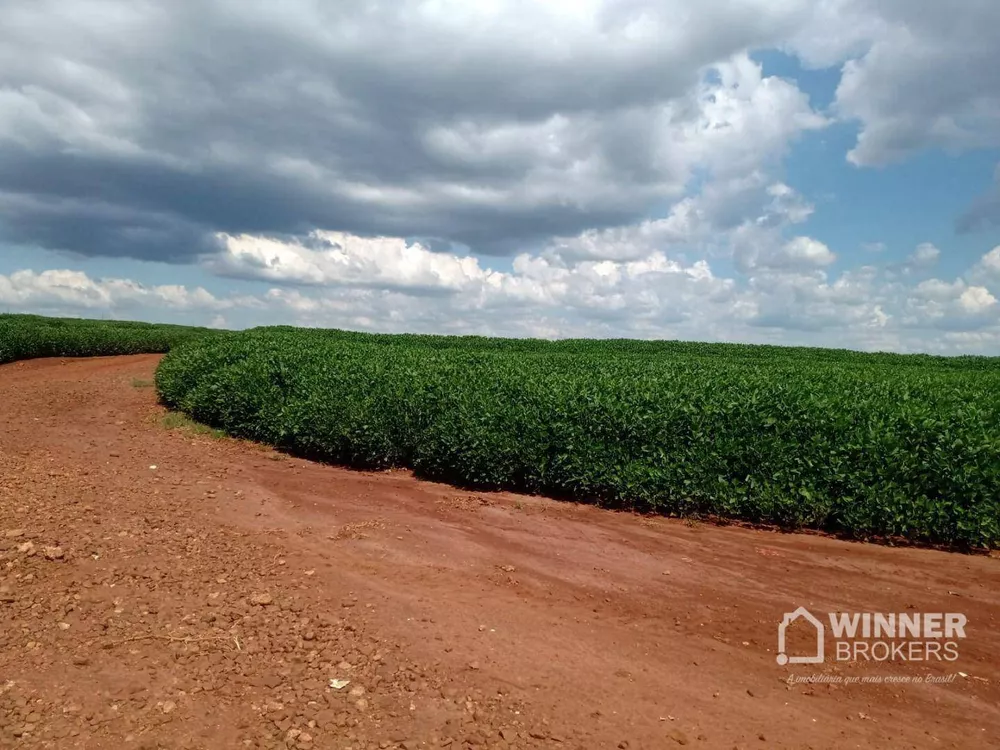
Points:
x=164 y=589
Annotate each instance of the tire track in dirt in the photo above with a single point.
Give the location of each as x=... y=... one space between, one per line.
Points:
x=209 y=601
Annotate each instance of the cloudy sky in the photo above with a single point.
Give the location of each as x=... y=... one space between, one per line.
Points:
x=787 y=171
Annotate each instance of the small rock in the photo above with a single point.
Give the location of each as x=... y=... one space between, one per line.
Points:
x=261 y=600
x=53 y=553
x=474 y=665
x=27 y=548
x=14 y=533
x=362 y=704
x=169 y=707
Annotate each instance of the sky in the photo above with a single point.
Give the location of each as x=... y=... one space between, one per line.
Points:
x=803 y=172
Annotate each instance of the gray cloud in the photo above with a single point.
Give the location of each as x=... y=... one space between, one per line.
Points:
x=141 y=129
x=926 y=80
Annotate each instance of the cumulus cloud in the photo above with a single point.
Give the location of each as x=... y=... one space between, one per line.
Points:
x=799 y=252
x=925 y=256
x=147 y=129
x=918 y=263
x=655 y=296
x=808 y=301
x=991 y=261
x=916 y=74
x=336 y=258
x=633 y=293
x=987 y=270
x=64 y=290
x=977 y=300
x=710 y=221
x=951 y=305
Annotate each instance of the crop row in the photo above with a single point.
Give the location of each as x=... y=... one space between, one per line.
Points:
x=867 y=445
x=31 y=336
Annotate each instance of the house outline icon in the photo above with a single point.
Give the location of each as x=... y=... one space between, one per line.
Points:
x=789 y=618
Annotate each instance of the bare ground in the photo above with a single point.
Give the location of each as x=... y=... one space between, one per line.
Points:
x=165 y=589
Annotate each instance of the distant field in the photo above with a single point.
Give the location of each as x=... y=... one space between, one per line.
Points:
x=31 y=336
x=863 y=444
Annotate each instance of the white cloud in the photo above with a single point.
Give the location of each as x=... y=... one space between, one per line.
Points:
x=333 y=258
x=788 y=299
x=987 y=270
x=936 y=290
x=642 y=289
x=799 y=252
x=955 y=305
x=654 y=296
x=991 y=260
x=74 y=290
x=977 y=300
x=727 y=215
x=916 y=74
x=925 y=256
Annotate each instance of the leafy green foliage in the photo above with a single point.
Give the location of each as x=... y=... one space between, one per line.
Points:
x=30 y=336
x=863 y=444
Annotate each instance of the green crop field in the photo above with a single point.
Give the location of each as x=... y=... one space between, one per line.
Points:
x=870 y=445
x=30 y=336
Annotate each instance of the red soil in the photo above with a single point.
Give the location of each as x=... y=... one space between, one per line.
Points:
x=208 y=602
